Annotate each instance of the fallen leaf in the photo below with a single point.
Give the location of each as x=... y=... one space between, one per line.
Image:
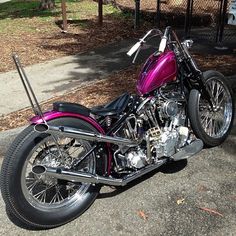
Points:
x=143 y=215
x=180 y=201
x=211 y=211
x=233 y=197
x=202 y=188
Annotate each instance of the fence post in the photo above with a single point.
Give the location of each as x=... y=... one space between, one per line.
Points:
x=158 y=13
x=188 y=18
x=64 y=17
x=137 y=14
x=221 y=22
x=100 y=12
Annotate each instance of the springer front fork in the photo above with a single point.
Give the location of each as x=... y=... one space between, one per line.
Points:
x=197 y=80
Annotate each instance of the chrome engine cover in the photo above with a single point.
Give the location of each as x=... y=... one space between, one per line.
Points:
x=167 y=144
x=164 y=142
x=136 y=159
x=170 y=109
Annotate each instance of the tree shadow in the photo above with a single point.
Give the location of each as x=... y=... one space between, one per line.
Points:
x=169 y=168
x=25 y=9
x=99 y=63
x=229 y=144
x=82 y=23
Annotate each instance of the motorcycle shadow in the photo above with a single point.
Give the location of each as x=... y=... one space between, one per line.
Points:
x=169 y=168
x=229 y=145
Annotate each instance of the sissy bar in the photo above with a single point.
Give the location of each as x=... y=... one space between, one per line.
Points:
x=28 y=88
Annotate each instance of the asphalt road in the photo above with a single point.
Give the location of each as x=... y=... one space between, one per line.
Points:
x=166 y=202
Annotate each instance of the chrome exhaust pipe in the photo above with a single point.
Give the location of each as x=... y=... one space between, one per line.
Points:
x=79 y=176
x=85 y=135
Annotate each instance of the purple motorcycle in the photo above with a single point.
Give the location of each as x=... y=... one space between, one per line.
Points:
x=54 y=169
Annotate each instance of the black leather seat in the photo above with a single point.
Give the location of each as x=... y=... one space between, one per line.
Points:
x=113 y=108
x=71 y=107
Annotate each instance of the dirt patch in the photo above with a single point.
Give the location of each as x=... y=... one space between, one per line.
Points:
x=43 y=46
x=36 y=35
x=111 y=87
x=226 y=64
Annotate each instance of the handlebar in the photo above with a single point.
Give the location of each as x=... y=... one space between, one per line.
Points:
x=138 y=44
x=167 y=31
x=164 y=39
x=136 y=48
x=142 y=41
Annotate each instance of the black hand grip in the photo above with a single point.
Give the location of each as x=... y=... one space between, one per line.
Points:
x=167 y=31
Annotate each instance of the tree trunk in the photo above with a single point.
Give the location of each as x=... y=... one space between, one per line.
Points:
x=47 y=4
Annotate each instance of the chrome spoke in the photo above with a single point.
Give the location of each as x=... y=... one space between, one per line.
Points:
x=216 y=122
x=218 y=94
x=213 y=128
x=217 y=127
x=49 y=192
x=31 y=187
x=57 y=198
x=30 y=178
x=220 y=101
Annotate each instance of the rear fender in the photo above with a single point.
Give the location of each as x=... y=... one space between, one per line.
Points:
x=51 y=115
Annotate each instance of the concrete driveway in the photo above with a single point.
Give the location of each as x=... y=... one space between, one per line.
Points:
x=170 y=199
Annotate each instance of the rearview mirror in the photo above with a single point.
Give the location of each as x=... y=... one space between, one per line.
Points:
x=188 y=43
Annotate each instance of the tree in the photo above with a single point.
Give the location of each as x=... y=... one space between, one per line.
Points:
x=47 y=4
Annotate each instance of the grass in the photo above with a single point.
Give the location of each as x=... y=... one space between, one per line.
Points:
x=36 y=35
x=19 y=16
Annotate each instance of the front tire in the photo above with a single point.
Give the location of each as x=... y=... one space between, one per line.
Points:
x=41 y=202
x=212 y=126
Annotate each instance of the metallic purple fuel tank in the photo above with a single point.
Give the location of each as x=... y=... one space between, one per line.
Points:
x=157 y=71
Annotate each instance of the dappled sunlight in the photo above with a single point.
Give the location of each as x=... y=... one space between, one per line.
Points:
x=25 y=9
x=36 y=35
x=89 y=35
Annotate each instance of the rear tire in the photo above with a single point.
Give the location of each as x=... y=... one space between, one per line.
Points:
x=37 y=207
x=212 y=127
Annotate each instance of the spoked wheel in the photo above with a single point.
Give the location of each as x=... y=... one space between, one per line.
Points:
x=39 y=201
x=212 y=125
x=48 y=192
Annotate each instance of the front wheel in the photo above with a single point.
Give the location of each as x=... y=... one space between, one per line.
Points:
x=212 y=125
x=38 y=201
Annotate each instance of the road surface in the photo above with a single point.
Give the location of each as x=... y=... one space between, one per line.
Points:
x=166 y=202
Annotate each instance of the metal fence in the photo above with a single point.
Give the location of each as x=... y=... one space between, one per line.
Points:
x=201 y=19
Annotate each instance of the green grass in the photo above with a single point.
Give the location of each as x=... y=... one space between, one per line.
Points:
x=19 y=16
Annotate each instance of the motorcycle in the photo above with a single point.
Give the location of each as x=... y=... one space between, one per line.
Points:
x=54 y=169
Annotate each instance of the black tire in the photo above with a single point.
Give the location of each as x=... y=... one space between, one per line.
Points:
x=209 y=136
x=21 y=211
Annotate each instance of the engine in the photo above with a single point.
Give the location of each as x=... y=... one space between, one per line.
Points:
x=160 y=122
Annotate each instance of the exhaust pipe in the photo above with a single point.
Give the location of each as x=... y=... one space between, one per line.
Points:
x=79 y=176
x=85 y=135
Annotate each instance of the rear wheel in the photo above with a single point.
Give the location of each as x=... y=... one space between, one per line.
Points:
x=38 y=201
x=212 y=126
